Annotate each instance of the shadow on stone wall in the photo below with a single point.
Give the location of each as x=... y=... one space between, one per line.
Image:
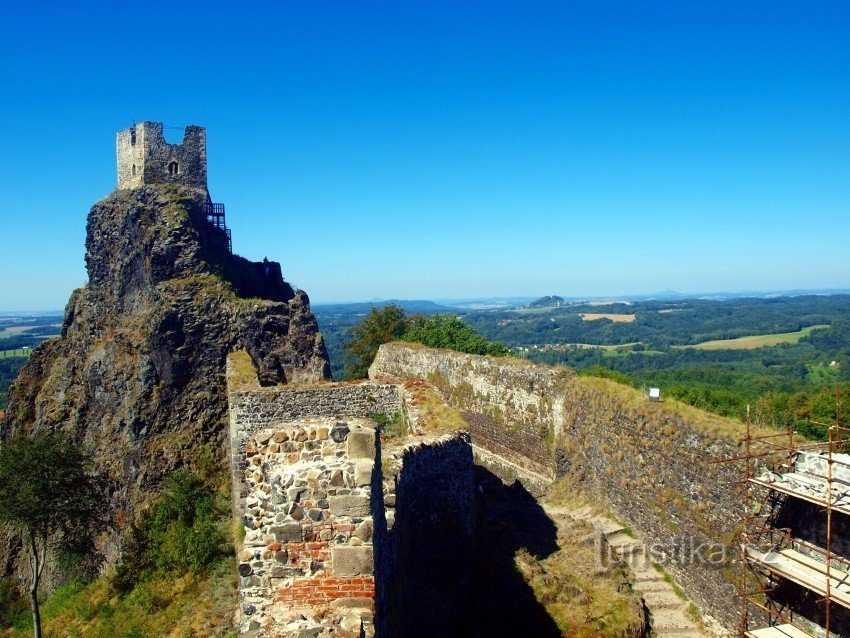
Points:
x=508 y=518
x=423 y=560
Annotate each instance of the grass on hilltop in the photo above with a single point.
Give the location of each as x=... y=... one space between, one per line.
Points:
x=756 y=341
x=242 y=374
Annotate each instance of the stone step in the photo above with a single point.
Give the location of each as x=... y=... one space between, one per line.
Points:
x=647 y=574
x=606 y=526
x=666 y=609
x=670 y=620
x=666 y=621
x=651 y=585
x=621 y=539
x=638 y=563
x=662 y=599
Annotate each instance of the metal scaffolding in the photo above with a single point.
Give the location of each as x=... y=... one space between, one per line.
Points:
x=776 y=467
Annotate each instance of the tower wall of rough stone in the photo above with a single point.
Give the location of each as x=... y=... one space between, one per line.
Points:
x=306 y=563
x=144 y=157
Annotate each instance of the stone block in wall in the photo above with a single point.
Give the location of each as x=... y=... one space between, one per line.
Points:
x=349 y=505
x=287 y=533
x=352 y=560
x=363 y=473
x=361 y=444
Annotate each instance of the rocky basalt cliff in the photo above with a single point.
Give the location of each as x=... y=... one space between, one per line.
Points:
x=137 y=375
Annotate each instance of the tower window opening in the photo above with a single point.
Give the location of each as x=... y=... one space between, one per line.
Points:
x=134 y=170
x=133 y=136
x=173 y=169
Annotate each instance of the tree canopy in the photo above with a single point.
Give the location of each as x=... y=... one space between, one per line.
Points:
x=452 y=333
x=46 y=493
x=380 y=326
x=390 y=323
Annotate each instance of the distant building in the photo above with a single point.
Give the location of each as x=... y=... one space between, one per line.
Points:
x=654 y=394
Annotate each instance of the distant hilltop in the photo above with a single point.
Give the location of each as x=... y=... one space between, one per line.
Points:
x=549 y=301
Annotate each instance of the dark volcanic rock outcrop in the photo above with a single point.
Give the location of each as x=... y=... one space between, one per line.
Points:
x=138 y=373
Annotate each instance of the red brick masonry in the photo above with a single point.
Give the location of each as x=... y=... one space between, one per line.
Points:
x=321 y=590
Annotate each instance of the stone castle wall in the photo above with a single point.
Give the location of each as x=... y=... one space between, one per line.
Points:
x=330 y=520
x=255 y=409
x=655 y=470
x=144 y=157
x=510 y=410
x=258 y=407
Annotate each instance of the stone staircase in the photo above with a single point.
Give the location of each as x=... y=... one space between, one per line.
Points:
x=667 y=611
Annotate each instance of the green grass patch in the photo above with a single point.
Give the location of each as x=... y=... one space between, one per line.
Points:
x=179 y=605
x=669 y=580
x=592 y=346
x=17 y=353
x=14 y=331
x=242 y=374
x=756 y=341
x=392 y=427
x=823 y=374
x=622 y=351
x=636 y=400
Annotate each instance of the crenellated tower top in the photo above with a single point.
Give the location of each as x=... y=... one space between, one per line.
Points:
x=144 y=157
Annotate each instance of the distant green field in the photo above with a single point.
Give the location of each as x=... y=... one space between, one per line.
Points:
x=755 y=341
x=20 y=352
x=14 y=331
x=625 y=346
x=628 y=352
x=616 y=350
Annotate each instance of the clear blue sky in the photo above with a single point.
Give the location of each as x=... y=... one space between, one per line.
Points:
x=449 y=149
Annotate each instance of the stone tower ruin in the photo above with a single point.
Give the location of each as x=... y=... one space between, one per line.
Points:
x=144 y=157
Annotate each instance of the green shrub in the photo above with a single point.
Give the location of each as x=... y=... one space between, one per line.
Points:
x=14 y=608
x=605 y=373
x=391 y=323
x=452 y=333
x=392 y=427
x=181 y=532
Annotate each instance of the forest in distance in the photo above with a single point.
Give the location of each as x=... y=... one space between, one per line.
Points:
x=785 y=356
